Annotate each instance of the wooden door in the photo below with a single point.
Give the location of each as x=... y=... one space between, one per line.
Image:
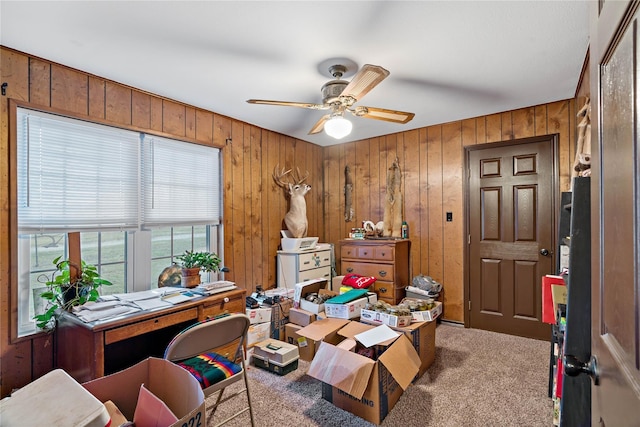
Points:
x=511 y=216
x=615 y=214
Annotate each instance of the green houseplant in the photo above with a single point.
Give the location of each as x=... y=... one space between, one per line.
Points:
x=66 y=290
x=192 y=263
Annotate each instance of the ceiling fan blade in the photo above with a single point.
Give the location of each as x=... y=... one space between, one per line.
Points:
x=366 y=79
x=383 y=114
x=317 y=128
x=289 y=104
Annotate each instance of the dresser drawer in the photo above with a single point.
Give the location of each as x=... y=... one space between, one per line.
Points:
x=318 y=273
x=135 y=329
x=383 y=253
x=388 y=291
x=364 y=252
x=311 y=260
x=379 y=271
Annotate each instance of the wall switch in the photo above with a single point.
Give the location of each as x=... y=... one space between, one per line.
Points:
x=449 y=216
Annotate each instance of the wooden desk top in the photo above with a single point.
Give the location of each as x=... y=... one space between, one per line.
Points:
x=139 y=316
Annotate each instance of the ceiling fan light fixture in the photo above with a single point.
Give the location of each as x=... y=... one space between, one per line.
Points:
x=338 y=127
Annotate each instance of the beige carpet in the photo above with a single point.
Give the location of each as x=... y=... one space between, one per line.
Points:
x=479 y=378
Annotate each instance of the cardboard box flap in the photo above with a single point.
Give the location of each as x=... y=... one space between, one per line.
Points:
x=402 y=361
x=342 y=369
x=354 y=328
x=321 y=328
x=309 y=287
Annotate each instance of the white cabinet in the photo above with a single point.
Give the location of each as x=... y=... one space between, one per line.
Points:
x=296 y=267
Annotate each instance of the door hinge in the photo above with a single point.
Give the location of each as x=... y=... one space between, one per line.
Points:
x=468 y=239
x=469 y=305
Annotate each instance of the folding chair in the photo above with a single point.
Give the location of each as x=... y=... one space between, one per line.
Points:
x=194 y=349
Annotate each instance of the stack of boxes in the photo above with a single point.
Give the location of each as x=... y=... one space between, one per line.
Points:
x=359 y=375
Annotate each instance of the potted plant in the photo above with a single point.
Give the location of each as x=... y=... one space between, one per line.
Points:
x=66 y=290
x=192 y=263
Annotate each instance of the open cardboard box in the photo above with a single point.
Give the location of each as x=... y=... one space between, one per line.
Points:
x=365 y=387
x=170 y=383
x=423 y=338
x=301 y=290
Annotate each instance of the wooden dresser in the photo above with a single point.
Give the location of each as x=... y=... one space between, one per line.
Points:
x=386 y=260
x=92 y=350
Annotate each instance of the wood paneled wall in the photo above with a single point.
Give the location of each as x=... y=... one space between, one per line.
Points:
x=253 y=204
x=432 y=162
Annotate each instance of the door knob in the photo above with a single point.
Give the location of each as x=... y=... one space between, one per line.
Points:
x=545 y=252
x=574 y=367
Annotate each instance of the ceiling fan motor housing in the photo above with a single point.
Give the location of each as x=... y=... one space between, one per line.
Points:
x=331 y=90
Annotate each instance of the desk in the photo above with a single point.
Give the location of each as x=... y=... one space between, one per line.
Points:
x=90 y=350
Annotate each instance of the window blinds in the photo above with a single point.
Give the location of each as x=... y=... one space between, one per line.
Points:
x=180 y=183
x=80 y=176
x=75 y=175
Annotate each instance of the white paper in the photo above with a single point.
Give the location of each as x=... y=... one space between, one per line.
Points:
x=91 y=316
x=376 y=335
x=152 y=303
x=135 y=296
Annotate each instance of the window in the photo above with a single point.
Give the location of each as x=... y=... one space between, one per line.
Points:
x=137 y=200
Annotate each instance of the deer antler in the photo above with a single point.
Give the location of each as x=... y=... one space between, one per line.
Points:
x=279 y=174
x=298 y=178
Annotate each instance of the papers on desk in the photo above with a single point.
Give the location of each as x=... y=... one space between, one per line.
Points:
x=87 y=315
x=115 y=305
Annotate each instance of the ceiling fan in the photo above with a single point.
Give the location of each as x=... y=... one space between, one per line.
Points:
x=339 y=96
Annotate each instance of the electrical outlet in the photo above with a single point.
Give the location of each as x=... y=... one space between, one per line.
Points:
x=449 y=216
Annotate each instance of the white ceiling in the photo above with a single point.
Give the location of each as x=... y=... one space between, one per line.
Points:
x=448 y=60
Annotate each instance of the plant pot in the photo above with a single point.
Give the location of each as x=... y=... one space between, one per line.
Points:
x=190 y=277
x=70 y=293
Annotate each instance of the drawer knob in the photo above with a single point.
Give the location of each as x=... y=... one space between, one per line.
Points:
x=306 y=262
x=382 y=273
x=226 y=299
x=383 y=253
x=349 y=270
x=365 y=253
x=383 y=290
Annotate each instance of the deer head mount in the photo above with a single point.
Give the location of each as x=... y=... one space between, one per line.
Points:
x=296 y=218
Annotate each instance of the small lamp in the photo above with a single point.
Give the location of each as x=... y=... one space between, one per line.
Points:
x=338 y=127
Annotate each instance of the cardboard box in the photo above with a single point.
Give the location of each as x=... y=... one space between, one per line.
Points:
x=429 y=315
x=301 y=317
x=324 y=330
x=377 y=317
x=350 y=310
x=306 y=346
x=170 y=383
x=279 y=318
x=423 y=339
x=258 y=332
x=276 y=351
x=362 y=386
x=259 y=315
x=301 y=290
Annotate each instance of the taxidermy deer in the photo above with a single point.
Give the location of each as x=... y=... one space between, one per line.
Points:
x=296 y=218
